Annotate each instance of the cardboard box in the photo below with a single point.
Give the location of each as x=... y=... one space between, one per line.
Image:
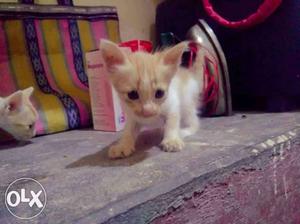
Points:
x=106 y=106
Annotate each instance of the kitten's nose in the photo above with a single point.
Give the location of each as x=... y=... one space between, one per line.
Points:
x=148 y=110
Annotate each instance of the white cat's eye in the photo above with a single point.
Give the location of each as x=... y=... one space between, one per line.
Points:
x=159 y=94
x=133 y=95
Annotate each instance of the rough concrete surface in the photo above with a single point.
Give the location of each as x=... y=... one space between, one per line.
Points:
x=265 y=191
x=84 y=186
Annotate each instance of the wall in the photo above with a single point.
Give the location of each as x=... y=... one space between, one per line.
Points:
x=137 y=17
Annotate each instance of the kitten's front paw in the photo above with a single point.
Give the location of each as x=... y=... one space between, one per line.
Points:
x=172 y=144
x=120 y=151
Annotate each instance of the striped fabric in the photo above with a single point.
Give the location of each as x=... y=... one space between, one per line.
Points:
x=44 y=47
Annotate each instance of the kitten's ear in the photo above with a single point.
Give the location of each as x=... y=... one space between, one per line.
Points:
x=28 y=92
x=172 y=56
x=112 y=54
x=14 y=102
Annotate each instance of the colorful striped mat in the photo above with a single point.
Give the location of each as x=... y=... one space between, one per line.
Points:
x=44 y=47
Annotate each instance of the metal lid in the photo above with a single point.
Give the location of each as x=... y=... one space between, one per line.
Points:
x=204 y=35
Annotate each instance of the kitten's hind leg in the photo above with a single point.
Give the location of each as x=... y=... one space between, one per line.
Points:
x=190 y=119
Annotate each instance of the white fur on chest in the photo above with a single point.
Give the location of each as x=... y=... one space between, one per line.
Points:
x=180 y=94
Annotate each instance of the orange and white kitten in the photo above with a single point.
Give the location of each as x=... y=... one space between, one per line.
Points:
x=154 y=86
x=17 y=114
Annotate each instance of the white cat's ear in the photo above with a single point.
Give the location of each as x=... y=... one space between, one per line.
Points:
x=28 y=92
x=112 y=54
x=14 y=102
x=172 y=56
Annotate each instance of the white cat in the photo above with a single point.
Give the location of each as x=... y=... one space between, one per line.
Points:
x=153 y=86
x=18 y=115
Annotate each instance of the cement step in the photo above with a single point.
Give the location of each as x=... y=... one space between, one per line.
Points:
x=84 y=186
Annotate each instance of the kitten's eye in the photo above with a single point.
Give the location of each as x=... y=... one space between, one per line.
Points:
x=159 y=94
x=133 y=95
x=30 y=126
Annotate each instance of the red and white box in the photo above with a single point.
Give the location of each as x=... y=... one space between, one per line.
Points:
x=106 y=106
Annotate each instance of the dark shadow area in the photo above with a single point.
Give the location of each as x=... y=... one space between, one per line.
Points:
x=13 y=144
x=145 y=141
x=266 y=104
x=7 y=141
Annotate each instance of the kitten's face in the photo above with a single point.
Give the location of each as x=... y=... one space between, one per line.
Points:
x=17 y=115
x=142 y=84
x=141 y=79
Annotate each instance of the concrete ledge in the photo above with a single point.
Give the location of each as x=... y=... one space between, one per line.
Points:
x=84 y=186
x=263 y=189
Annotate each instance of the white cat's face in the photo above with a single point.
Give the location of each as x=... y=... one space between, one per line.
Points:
x=17 y=114
x=141 y=79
